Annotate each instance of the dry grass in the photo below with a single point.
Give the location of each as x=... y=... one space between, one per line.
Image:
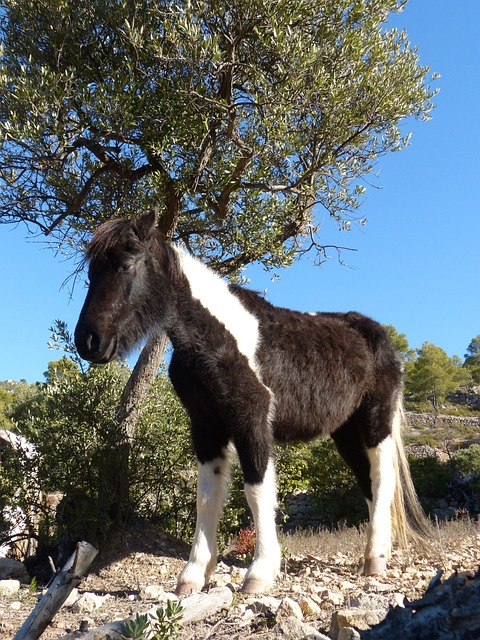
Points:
x=449 y=542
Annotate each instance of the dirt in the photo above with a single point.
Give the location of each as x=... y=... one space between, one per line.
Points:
x=322 y=566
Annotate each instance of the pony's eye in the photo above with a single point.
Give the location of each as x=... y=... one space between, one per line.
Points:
x=126 y=267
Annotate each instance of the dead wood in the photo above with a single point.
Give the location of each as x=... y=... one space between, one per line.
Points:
x=68 y=578
x=195 y=608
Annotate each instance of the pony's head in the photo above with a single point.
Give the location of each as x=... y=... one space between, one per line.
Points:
x=126 y=262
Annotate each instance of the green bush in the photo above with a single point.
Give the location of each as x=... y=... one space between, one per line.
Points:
x=163 y=469
x=430 y=478
x=334 y=485
x=467 y=461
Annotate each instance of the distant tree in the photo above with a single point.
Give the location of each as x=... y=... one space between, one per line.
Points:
x=435 y=374
x=472 y=358
x=400 y=342
x=5 y=399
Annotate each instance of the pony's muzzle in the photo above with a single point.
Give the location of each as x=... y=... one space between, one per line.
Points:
x=92 y=347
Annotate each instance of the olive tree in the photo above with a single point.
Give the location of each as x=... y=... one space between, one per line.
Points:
x=238 y=120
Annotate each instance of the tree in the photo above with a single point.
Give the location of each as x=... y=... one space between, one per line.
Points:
x=472 y=358
x=435 y=374
x=239 y=121
x=58 y=369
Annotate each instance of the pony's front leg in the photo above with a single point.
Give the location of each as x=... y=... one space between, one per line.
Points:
x=211 y=494
x=262 y=500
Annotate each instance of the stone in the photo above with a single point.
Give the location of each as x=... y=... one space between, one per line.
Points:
x=89 y=602
x=360 y=619
x=16 y=606
x=72 y=598
x=289 y=609
x=348 y=633
x=377 y=601
x=9 y=587
x=293 y=629
x=308 y=606
x=11 y=569
x=265 y=604
x=153 y=592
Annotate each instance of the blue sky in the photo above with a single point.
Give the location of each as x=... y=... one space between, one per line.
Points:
x=417 y=260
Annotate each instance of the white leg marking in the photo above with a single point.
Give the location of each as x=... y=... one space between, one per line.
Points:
x=262 y=500
x=211 y=495
x=382 y=475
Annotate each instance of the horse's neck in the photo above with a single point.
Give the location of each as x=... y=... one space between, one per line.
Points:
x=217 y=299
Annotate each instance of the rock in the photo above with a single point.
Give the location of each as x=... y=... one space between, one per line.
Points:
x=89 y=602
x=308 y=606
x=16 y=606
x=377 y=601
x=348 y=633
x=72 y=598
x=289 y=609
x=9 y=587
x=265 y=604
x=360 y=619
x=14 y=570
x=153 y=592
x=293 y=629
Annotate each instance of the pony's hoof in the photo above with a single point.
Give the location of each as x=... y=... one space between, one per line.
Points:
x=186 y=589
x=374 y=566
x=254 y=586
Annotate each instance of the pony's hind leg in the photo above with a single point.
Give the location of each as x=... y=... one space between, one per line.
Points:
x=374 y=467
x=383 y=480
x=212 y=490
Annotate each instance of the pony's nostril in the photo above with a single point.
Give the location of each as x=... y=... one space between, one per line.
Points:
x=93 y=343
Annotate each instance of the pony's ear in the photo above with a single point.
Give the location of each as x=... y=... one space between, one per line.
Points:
x=144 y=225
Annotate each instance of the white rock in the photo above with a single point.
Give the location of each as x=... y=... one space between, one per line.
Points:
x=11 y=569
x=289 y=608
x=72 y=598
x=9 y=587
x=89 y=602
x=16 y=606
x=153 y=592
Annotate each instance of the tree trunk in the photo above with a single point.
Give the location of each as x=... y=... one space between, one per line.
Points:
x=139 y=382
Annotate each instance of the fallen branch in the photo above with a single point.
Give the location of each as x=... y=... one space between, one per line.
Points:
x=195 y=608
x=68 y=578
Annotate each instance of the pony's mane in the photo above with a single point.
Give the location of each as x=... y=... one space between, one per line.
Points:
x=107 y=235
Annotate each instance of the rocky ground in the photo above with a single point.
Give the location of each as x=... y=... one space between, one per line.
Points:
x=320 y=585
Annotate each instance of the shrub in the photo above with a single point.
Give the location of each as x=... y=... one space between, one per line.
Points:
x=334 y=485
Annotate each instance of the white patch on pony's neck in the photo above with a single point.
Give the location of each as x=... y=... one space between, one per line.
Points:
x=213 y=293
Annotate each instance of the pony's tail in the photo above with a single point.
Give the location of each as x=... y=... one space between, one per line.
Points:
x=408 y=518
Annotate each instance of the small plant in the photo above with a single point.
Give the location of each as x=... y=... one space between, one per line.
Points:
x=135 y=629
x=244 y=543
x=32 y=588
x=163 y=627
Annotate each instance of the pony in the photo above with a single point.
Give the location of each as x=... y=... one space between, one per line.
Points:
x=249 y=374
